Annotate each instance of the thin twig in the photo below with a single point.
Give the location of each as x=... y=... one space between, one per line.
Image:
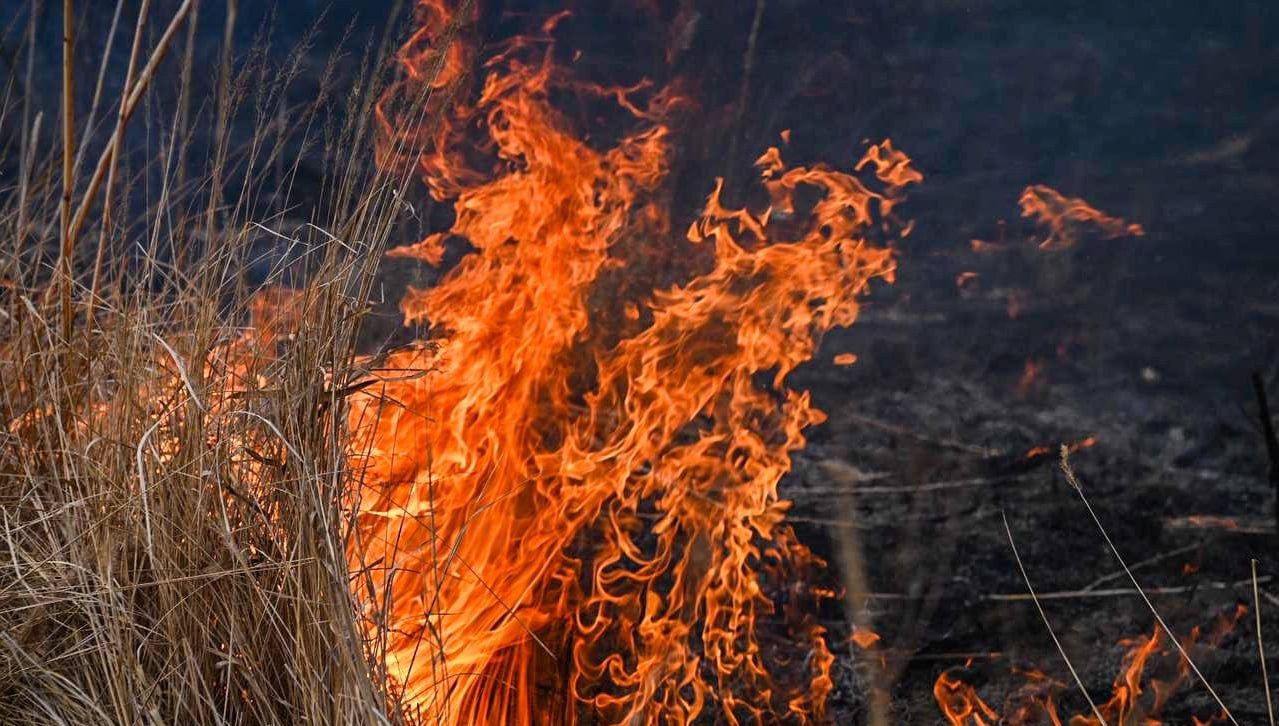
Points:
x=1090 y=594
x=140 y=454
x=1118 y=591
x=1261 y=648
x=1074 y=674
x=182 y=372
x=223 y=115
x=1074 y=482
x=116 y=140
x=129 y=104
x=934 y=486
x=97 y=87
x=30 y=133
x=184 y=97
x=947 y=443
x=1270 y=597
x=1148 y=561
x=68 y=158
x=24 y=181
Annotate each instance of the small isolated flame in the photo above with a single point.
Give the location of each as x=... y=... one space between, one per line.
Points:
x=1031 y=378
x=1062 y=215
x=1137 y=697
x=960 y=703
x=864 y=638
x=572 y=510
x=1066 y=219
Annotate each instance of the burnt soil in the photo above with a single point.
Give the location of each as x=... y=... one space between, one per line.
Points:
x=1164 y=115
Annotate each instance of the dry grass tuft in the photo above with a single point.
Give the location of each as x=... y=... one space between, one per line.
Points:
x=175 y=497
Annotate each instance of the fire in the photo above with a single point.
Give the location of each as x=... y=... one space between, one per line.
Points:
x=960 y=703
x=1039 y=452
x=864 y=637
x=1062 y=215
x=572 y=510
x=1137 y=697
x=1031 y=378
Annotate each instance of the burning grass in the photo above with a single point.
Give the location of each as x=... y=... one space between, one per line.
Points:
x=563 y=508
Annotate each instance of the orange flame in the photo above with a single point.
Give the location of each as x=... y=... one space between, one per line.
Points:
x=1063 y=214
x=573 y=512
x=960 y=703
x=1031 y=378
x=1137 y=698
x=864 y=637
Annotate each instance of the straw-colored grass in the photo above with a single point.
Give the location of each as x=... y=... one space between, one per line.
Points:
x=175 y=498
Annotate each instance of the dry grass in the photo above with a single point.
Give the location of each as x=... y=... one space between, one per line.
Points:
x=175 y=499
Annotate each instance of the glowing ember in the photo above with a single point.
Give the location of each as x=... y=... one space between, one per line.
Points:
x=982 y=247
x=1039 y=452
x=572 y=511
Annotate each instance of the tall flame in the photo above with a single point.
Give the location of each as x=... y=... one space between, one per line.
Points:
x=573 y=510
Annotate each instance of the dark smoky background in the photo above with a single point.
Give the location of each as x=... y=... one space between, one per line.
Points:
x=1161 y=114
x=1165 y=114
